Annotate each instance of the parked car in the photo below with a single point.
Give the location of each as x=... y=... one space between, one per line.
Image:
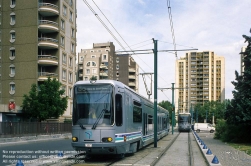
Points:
x=203 y=127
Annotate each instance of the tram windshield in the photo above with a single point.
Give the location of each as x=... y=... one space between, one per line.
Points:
x=92 y=102
x=184 y=118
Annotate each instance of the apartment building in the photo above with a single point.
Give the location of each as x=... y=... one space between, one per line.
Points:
x=37 y=41
x=200 y=77
x=127 y=71
x=101 y=62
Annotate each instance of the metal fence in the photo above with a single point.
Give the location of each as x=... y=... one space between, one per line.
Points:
x=17 y=129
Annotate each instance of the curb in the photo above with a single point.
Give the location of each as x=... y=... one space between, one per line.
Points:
x=211 y=159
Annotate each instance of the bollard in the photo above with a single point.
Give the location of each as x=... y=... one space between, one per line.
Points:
x=215 y=160
x=60 y=154
x=209 y=152
x=19 y=163
x=205 y=146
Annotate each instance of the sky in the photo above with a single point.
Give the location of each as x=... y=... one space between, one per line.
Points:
x=215 y=25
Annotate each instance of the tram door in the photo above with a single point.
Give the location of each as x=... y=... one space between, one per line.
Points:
x=144 y=124
x=127 y=110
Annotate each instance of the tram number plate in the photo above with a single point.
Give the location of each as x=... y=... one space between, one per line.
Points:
x=88 y=145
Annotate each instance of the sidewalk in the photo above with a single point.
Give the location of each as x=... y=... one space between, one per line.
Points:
x=15 y=140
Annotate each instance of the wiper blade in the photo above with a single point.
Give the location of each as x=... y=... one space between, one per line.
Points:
x=99 y=117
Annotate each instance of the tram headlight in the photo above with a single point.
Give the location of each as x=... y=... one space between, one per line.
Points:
x=107 y=139
x=74 y=139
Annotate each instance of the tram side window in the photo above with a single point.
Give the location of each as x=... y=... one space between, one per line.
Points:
x=137 y=114
x=118 y=103
x=150 y=123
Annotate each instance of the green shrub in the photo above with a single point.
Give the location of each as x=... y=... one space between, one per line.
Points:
x=220 y=128
x=232 y=133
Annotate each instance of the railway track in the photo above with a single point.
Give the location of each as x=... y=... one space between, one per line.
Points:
x=177 y=149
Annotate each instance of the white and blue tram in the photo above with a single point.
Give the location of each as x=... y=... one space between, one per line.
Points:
x=110 y=118
x=184 y=122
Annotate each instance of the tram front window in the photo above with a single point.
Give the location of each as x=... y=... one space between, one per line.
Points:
x=90 y=101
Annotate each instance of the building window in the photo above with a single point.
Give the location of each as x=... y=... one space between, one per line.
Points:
x=71 y=16
x=117 y=59
x=81 y=59
x=93 y=56
x=12 y=88
x=12 y=36
x=64 y=10
x=94 y=71
x=117 y=67
x=12 y=19
x=71 y=3
x=70 y=77
x=93 y=64
x=12 y=53
x=88 y=64
x=62 y=24
x=62 y=40
x=64 y=74
x=12 y=3
x=70 y=92
x=64 y=58
x=72 y=48
x=86 y=79
x=12 y=71
x=72 y=32
x=70 y=62
x=87 y=71
x=104 y=57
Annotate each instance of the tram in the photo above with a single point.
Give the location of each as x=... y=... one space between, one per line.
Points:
x=184 y=122
x=110 y=118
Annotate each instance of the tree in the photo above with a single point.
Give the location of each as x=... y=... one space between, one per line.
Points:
x=47 y=102
x=210 y=109
x=239 y=109
x=167 y=105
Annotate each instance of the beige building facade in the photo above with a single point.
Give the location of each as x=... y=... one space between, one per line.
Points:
x=37 y=41
x=200 y=77
x=101 y=62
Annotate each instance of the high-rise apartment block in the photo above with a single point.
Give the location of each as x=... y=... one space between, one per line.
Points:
x=200 y=77
x=102 y=63
x=37 y=41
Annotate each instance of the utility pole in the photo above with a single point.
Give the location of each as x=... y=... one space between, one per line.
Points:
x=155 y=51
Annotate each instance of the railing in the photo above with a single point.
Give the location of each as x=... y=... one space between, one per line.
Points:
x=47 y=57
x=48 y=39
x=13 y=129
x=48 y=5
x=47 y=22
x=47 y=74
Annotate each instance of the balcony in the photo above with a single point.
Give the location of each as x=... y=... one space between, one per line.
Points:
x=132 y=70
x=103 y=75
x=132 y=77
x=47 y=60
x=48 y=9
x=131 y=84
x=47 y=43
x=47 y=26
x=42 y=76
x=103 y=67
